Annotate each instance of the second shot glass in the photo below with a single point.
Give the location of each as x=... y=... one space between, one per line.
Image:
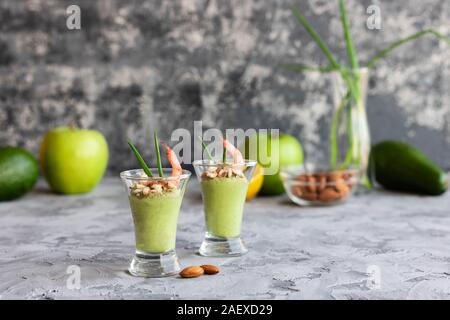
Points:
x=224 y=187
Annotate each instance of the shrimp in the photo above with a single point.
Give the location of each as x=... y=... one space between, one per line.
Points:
x=173 y=160
x=237 y=155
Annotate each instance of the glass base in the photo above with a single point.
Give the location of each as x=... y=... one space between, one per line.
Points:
x=154 y=265
x=222 y=247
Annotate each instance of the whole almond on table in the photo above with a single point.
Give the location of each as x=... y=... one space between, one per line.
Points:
x=210 y=269
x=192 y=272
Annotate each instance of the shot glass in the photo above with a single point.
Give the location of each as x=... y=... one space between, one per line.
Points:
x=155 y=206
x=224 y=187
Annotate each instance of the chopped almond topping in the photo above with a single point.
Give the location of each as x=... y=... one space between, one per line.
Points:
x=147 y=188
x=222 y=172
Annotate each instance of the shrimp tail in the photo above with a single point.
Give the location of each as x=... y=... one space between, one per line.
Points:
x=173 y=160
x=235 y=153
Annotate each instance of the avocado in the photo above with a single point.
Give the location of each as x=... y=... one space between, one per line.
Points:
x=19 y=171
x=400 y=166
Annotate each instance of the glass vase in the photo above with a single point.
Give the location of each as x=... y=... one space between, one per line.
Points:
x=337 y=154
x=343 y=142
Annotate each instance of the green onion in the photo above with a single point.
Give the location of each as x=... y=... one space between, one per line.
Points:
x=224 y=153
x=205 y=148
x=140 y=160
x=349 y=155
x=308 y=27
x=303 y=68
x=351 y=52
x=334 y=131
x=348 y=38
x=333 y=61
x=158 y=154
x=400 y=42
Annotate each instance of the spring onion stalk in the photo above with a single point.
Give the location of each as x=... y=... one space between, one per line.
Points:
x=334 y=129
x=312 y=32
x=353 y=61
x=140 y=160
x=350 y=140
x=400 y=42
x=303 y=68
x=158 y=154
x=205 y=148
x=224 y=155
x=351 y=52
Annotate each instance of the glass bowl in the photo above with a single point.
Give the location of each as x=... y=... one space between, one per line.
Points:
x=319 y=186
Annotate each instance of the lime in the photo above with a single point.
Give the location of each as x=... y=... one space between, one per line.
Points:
x=289 y=152
x=19 y=171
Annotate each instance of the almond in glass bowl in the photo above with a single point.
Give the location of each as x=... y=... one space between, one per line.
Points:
x=320 y=186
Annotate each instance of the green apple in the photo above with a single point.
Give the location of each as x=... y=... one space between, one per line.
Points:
x=73 y=160
x=289 y=152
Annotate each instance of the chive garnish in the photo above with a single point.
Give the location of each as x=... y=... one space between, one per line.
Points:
x=224 y=154
x=158 y=154
x=205 y=148
x=140 y=160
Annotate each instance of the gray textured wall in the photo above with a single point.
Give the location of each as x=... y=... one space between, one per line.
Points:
x=136 y=65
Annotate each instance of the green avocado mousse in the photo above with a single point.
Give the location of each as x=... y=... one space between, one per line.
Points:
x=155 y=197
x=155 y=217
x=224 y=187
x=224 y=200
